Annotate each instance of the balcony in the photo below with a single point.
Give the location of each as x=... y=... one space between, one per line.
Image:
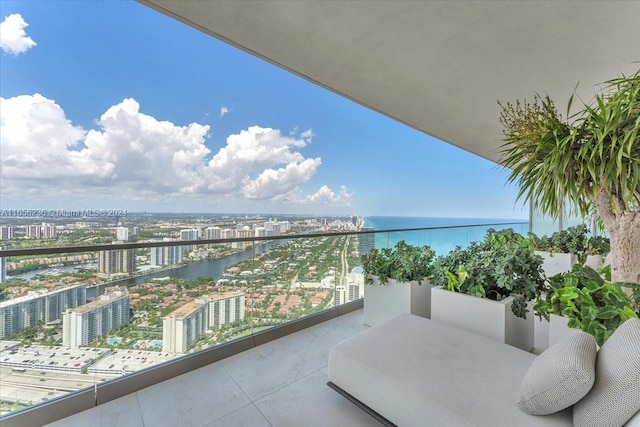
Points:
x=253 y=368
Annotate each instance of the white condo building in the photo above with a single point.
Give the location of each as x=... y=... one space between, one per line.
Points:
x=83 y=324
x=3 y=267
x=122 y=234
x=182 y=328
x=34 y=231
x=166 y=255
x=212 y=233
x=23 y=312
x=7 y=232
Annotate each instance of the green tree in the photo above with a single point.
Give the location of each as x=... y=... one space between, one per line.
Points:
x=592 y=160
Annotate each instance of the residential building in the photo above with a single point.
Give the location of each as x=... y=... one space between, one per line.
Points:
x=183 y=327
x=3 y=266
x=34 y=231
x=7 y=232
x=226 y=308
x=212 y=233
x=117 y=261
x=49 y=231
x=122 y=234
x=82 y=325
x=166 y=255
x=24 y=312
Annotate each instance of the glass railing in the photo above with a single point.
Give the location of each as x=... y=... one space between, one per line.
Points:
x=77 y=317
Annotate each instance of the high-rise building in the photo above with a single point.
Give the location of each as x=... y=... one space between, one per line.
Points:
x=226 y=308
x=166 y=255
x=3 y=267
x=183 y=327
x=7 y=232
x=23 y=312
x=117 y=261
x=212 y=233
x=135 y=231
x=82 y=325
x=189 y=234
x=340 y=295
x=49 y=231
x=34 y=231
x=122 y=234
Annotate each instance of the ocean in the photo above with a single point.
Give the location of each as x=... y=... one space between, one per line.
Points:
x=450 y=232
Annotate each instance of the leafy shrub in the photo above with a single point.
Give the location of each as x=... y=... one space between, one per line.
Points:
x=590 y=302
x=502 y=264
x=403 y=263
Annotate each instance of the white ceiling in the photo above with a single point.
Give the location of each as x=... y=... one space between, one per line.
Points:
x=438 y=66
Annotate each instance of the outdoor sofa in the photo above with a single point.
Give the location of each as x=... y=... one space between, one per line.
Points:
x=412 y=371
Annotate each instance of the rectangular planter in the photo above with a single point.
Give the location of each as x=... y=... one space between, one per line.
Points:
x=557 y=262
x=559 y=330
x=493 y=319
x=382 y=302
x=594 y=261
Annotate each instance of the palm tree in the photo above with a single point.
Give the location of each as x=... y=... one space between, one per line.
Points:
x=591 y=160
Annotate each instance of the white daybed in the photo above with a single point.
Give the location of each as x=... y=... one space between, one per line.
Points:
x=412 y=371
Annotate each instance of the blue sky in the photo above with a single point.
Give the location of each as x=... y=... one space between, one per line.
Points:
x=111 y=105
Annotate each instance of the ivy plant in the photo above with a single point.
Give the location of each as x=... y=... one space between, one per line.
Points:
x=590 y=302
x=403 y=263
x=502 y=264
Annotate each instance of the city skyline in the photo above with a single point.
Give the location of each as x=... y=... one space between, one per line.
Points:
x=151 y=115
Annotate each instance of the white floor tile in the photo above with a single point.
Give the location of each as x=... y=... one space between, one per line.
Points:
x=310 y=402
x=249 y=416
x=266 y=368
x=124 y=411
x=191 y=400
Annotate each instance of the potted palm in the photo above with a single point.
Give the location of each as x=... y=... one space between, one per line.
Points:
x=488 y=288
x=589 y=159
x=582 y=299
x=397 y=281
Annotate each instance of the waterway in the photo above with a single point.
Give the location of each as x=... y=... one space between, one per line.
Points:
x=213 y=268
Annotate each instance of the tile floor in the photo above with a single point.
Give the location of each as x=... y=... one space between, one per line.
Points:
x=281 y=383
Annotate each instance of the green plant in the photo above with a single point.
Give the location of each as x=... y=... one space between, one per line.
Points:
x=590 y=161
x=598 y=245
x=573 y=240
x=589 y=302
x=502 y=264
x=403 y=263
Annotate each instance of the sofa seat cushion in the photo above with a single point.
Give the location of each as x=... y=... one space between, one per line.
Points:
x=560 y=376
x=417 y=372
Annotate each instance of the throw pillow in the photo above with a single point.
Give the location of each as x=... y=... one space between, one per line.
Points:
x=615 y=396
x=560 y=376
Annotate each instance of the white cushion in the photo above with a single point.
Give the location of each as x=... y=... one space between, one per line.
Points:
x=615 y=396
x=634 y=421
x=560 y=376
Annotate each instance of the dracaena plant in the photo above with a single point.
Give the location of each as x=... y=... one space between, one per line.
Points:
x=403 y=263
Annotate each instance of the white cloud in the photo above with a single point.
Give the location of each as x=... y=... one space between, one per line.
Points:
x=135 y=155
x=326 y=196
x=13 y=38
x=223 y=110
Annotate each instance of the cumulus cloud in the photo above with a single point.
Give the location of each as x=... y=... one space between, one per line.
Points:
x=326 y=196
x=13 y=38
x=132 y=153
x=223 y=110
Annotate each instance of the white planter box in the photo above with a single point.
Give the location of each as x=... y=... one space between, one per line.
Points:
x=493 y=319
x=558 y=329
x=382 y=302
x=594 y=261
x=557 y=262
